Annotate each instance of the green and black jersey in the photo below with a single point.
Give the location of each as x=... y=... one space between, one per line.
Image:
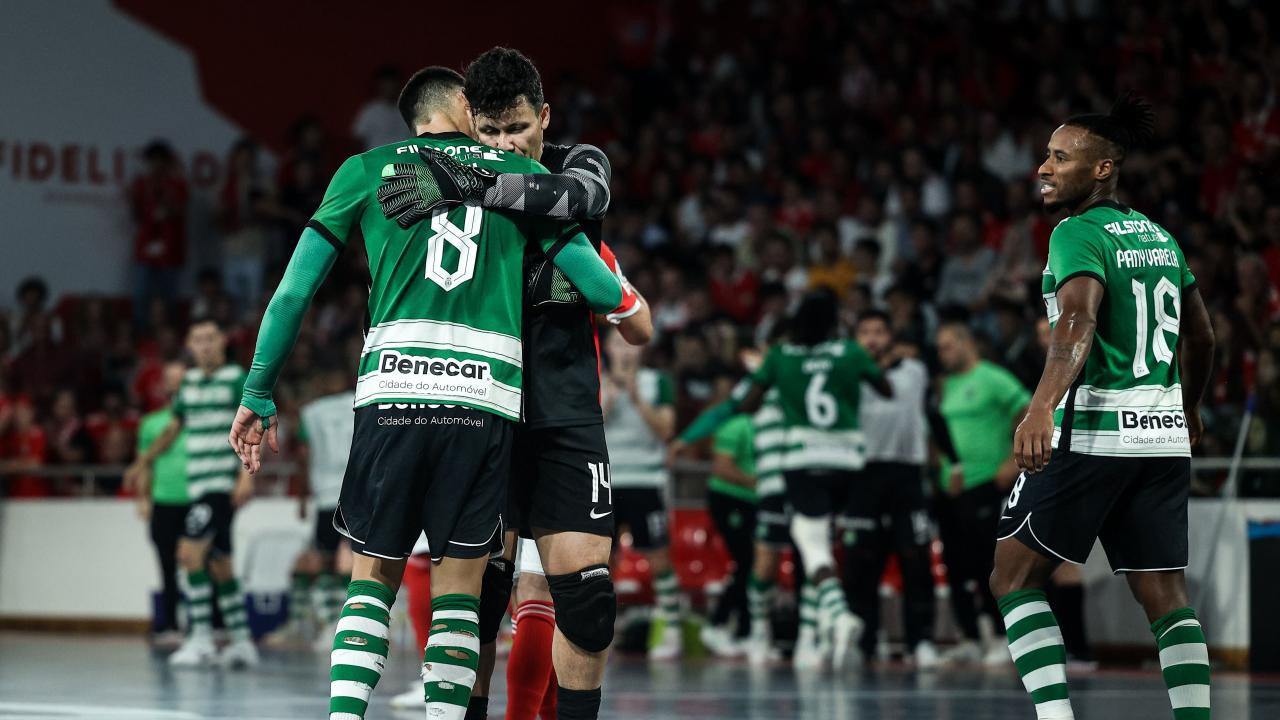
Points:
x=1128 y=399
x=206 y=404
x=445 y=294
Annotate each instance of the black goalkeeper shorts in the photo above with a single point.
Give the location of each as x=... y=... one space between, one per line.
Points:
x=415 y=469
x=560 y=481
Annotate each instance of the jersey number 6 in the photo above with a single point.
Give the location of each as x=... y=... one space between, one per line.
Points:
x=819 y=404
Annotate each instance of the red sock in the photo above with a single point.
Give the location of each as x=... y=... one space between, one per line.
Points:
x=548 y=711
x=417 y=580
x=529 y=664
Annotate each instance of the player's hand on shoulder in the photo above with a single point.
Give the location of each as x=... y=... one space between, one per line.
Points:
x=411 y=192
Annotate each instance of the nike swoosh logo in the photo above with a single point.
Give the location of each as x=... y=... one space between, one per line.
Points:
x=594 y=516
x=1006 y=517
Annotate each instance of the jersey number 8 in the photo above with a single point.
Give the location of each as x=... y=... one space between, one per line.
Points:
x=461 y=238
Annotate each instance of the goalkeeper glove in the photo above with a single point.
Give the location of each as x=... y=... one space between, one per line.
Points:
x=411 y=192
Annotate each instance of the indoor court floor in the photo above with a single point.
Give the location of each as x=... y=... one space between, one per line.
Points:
x=71 y=676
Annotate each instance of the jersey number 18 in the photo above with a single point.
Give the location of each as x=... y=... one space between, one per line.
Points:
x=1165 y=323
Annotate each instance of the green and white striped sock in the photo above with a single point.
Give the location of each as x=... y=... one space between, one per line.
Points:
x=359 y=649
x=1035 y=642
x=234 y=617
x=831 y=602
x=452 y=656
x=199 y=594
x=299 y=595
x=759 y=600
x=666 y=591
x=1184 y=662
x=808 y=613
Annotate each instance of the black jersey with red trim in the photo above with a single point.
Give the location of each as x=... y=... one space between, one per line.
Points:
x=561 y=347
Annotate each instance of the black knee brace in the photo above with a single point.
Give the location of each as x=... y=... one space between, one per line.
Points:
x=585 y=606
x=495 y=594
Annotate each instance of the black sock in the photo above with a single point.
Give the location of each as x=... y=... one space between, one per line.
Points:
x=577 y=704
x=477 y=708
x=1068 y=605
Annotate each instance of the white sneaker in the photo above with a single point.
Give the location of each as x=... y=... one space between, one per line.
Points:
x=809 y=654
x=997 y=655
x=760 y=650
x=846 y=631
x=412 y=699
x=719 y=643
x=962 y=653
x=926 y=656
x=666 y=642
x=239 y=654
x=196 y=651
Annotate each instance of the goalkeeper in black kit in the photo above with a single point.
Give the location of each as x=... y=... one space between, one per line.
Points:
x=560 y=494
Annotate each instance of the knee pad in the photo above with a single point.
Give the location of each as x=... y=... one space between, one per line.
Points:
x=812 y=536
x=585 y=606
x=495 y=594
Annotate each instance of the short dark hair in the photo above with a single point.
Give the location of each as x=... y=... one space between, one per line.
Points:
x=814 y=320
x=1130 y=125
x=499 y=78
x=207 y=319
x=427 y=91
x=875 y=314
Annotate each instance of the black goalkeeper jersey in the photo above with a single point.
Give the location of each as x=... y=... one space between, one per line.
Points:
x=561 y=346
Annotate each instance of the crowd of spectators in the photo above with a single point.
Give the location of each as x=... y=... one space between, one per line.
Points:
x=885 y=150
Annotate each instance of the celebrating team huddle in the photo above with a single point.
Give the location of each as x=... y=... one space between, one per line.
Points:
x=480 y=438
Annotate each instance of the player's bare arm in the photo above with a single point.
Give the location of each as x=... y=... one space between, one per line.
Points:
x=1195 y=350
x=637 y=328
x=723 y=466
x=1069 y=346
x=880 y=383
x=138 y=475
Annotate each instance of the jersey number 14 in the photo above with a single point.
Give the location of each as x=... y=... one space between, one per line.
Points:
x=1165 y=322
x=461 y=239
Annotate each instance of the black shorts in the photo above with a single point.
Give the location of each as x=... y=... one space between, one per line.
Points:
x=888 y=497
x=1137 y=507
x=560 y=481
x=773 y=520
x=414 y=469
x=209 y=518
x=644 y=511
x=819 y=493
x=326 y=538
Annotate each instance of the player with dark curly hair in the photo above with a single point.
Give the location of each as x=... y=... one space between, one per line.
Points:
x=1105 y=446
x=561 y=494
